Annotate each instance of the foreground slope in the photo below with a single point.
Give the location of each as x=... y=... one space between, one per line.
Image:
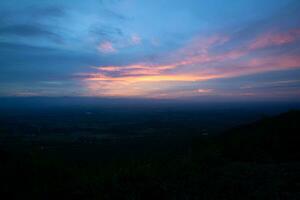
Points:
x=255 y=161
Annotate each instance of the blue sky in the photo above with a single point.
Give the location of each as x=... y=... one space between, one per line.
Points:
x=230 y=49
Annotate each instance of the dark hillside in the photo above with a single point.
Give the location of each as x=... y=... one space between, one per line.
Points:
x=270 y=139
x=255 y=161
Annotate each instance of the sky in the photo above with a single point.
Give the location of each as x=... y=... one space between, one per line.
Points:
x=163 y=49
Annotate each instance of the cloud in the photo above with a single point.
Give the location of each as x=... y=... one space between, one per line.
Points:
x=28 y=30
x=275 y=39
x=270 y=84
x=205 y=91
x=114 y=15
x=155 y=42
x=199 y=60
x=47 y=11
x=32 y=22
x=135 y=39
x=106 y=47
x=106 y=32
x=134 y=70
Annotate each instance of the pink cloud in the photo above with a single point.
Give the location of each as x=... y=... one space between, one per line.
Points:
x=196 y=61
x=275 y=39
x=137 y=69
x=135 y=39
x=258 y=65
x=205 y=91
x=106 y=47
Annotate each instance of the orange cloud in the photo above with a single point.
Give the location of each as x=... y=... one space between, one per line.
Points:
x=132 y=84
x=193 y=63
x=148 y=78
x=137 y=69
x=205 y=91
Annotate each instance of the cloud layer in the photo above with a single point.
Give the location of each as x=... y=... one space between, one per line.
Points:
x=199 y=60
x=139 y=48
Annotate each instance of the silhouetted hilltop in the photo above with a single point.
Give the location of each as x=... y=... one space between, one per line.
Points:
x=269 y=139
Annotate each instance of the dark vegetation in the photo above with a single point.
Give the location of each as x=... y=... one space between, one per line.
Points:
x=260 y=160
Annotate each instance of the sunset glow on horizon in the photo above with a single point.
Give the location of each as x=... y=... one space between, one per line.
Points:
x=195 y=62
x=130 y=48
